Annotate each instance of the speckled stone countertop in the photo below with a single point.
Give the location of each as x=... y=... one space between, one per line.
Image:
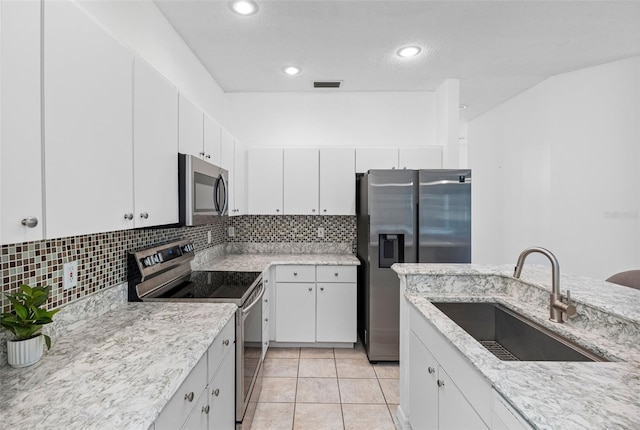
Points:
x=258 y=262
x=549 y=395
x=116 y=372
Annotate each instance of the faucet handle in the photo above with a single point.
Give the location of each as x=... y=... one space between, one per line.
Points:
x=570 y=309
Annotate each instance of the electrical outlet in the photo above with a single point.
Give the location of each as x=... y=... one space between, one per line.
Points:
x=70 y=275
x=320 y=231
x=232 y=231
x=209 y=236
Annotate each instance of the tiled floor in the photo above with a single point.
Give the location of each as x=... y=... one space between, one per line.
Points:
x=312 y=388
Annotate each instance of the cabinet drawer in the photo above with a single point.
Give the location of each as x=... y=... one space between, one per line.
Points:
x=222 y=344
x=175 y=413
x=296 y=273
x=337 y=274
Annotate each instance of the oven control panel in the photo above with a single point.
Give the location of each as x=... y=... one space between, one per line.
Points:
x=163 y=257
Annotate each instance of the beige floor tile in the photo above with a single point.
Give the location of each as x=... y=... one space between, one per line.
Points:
x=391 y=390
x=357 y=352
x=313 y=416
x=360 y=391
x=283 y=353
x=281 y=367
x=317 y=368
x=367 y=417
x=278 y=390
x=354 y=368
x=389 y=370
x=316 y=352
x=317 y=390
x=273 y=416
x=393 y=410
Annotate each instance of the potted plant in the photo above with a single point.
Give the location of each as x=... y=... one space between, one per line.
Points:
x=25 y=321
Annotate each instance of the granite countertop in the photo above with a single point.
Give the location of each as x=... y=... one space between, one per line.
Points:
x=550 y=395
x=118 y=371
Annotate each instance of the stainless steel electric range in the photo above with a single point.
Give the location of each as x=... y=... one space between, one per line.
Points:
x=163 y=273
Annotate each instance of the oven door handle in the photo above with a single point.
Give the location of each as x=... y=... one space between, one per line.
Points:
x=257 y=300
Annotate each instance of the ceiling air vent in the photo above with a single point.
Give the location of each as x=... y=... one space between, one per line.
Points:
x=327 y=84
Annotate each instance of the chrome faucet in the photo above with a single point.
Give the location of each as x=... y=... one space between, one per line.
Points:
x=556 y=306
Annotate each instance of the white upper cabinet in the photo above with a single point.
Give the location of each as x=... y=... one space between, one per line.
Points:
x=337 y=181
x=20 y=138
x=239 y=184
x=429 y=157
x=301 y=177
x=264 y=168
x=88 y=95
x=376 y=158
x=211 y=148
x=226 y=150
x=155 y=144
x=190 y=128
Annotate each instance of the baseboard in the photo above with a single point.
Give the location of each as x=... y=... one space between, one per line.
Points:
x=311 y=344
x=400 y=420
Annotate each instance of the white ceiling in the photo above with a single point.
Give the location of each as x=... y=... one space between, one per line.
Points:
x=496 y=48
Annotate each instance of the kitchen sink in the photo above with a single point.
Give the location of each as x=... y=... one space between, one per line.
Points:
x=511 y=336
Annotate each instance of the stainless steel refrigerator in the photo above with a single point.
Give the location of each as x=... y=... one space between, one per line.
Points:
x=405 y=216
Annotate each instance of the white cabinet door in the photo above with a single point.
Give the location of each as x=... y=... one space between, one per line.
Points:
x=376 y=158
x=221 y=392
x=423 y=388
x=190 y=128
x=155 y=147
x=211 y=137
x=88 y=79
x=264 y=169
x=239 y=184
x=420 y=158
x=20 y=138
x=337 y=181
x=454 y=411
x=301 y=177
x=336 y=312
x=226 y=150
x=296 y=309
x=199 y=418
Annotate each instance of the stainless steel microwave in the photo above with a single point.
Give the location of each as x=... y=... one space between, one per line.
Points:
x=203 y=189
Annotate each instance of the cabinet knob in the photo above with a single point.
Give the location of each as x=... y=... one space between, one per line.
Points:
x=128 y=216
x=189 y=397
x=335 y=274
x=225 y=342
x=201 y=154
x=440 y=383
x=144 y=215
x=266 y=320
x=216 y=392
x=207 y=156
x=324 y=210
x=313 y=210
x=295 y=273
x=310 y=289
x=430 y=369
x=266 y=300
x=277 y=210
x=205 y=409
x=30 y=221
x=321 y=288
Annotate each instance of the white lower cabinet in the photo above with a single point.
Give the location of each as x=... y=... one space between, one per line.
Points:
x=503 y=416
x=315 y=309
x=444 y=391
x=201 y=405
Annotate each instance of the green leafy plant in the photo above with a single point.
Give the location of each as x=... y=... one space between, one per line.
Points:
x=28 y=317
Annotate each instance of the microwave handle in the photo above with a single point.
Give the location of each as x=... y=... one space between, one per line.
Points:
x=225 y=194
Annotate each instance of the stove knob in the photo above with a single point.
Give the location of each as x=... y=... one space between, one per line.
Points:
x=159 y=255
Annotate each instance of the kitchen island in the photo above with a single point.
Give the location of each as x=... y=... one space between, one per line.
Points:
x=543 y=394
x=116 y=372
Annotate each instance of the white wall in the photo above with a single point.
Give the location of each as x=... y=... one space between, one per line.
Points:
x=358 y=119
x=559 y=166
x=141 y=26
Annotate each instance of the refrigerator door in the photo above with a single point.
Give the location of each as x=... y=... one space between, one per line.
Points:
x=392 y=216
x=444 y=219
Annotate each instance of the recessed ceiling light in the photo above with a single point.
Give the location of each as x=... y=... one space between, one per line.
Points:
x=291 y=70
x=409 y=51
x=244 y=7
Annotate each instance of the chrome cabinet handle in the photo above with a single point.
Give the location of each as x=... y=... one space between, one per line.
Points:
x=207 y=156
x=266 y=300
x=216 y=392
x=335 y=274
x=310 y=289
x=295 y=273
x=277 y=210
x=440 y=383
x=201 y=153
x=266 y=320
x=205 y=409
x=321 y=288
x=128 y=216
x=144 y=215
x=430 y=369
x=189 y=397
x=225 y=342
x=313 y=210
x=30 y=221
x=324 y=210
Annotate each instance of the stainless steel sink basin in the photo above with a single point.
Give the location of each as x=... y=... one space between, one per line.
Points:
x=511 y=336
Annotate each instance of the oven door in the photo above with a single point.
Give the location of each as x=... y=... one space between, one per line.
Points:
x=248 y=352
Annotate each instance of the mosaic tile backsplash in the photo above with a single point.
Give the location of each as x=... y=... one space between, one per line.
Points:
x=102 y=257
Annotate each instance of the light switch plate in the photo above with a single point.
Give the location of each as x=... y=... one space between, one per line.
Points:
x=70 y=275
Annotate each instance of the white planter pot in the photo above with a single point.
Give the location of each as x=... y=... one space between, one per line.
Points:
x=23 y=353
